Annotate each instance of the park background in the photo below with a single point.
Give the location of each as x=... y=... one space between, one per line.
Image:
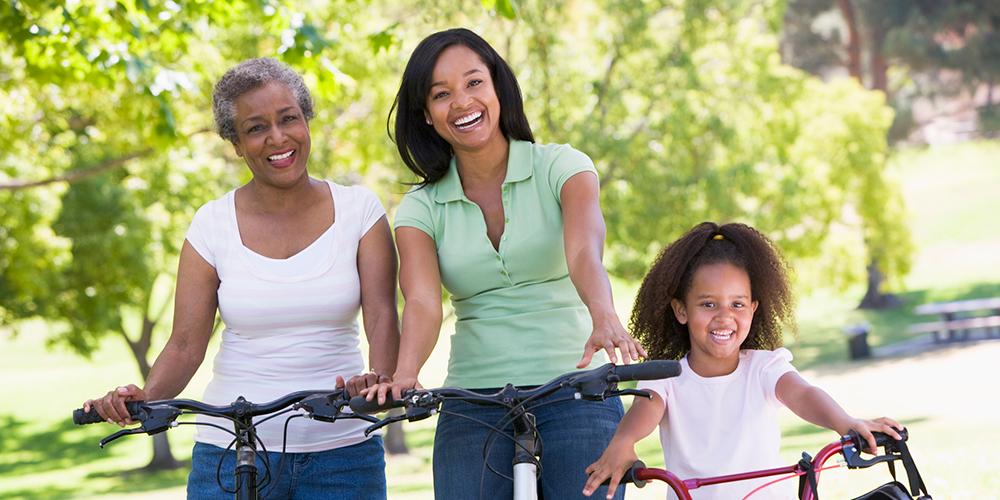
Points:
x=859 y=134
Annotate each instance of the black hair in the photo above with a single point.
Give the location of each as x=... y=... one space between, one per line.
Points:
x=425 y=152
x=653 y=322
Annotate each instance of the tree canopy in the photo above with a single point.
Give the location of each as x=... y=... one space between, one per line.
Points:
x=684 y=106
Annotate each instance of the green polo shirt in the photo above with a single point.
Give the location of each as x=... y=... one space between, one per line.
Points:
x=519 y=317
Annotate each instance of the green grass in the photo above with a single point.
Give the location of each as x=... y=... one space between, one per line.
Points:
x=951 y=193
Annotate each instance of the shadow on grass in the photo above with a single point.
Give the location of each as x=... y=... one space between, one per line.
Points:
x=26 y=449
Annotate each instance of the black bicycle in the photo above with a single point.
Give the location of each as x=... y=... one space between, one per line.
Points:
x=158 y=416
x=595 y=385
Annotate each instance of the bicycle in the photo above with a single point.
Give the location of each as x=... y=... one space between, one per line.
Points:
x=159 y=416
x=808 y=471
x=597 y=384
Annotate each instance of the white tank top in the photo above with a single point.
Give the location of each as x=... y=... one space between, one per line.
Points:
x=291 y=324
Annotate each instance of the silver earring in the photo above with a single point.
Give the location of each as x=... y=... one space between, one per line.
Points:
x=429 y=122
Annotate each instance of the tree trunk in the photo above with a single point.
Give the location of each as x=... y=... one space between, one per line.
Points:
x=163 y=459
x=874 y=298
x=393 y=441
x=879 y=68
x=854 y=42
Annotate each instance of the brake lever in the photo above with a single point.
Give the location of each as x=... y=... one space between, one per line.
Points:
x=613 y=393
x=852 y=453
x=382 y=423
x=324 y=409
x=123 y=432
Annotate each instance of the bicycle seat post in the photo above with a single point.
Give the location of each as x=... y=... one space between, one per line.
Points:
x=246 y=463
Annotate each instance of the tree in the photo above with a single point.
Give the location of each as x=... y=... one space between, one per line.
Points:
x=689 y=115
x=856 y=41
x=77 y=80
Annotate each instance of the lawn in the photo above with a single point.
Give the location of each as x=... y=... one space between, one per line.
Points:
x=951 y=194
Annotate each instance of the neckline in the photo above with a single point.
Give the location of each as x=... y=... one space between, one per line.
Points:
x=245 y=252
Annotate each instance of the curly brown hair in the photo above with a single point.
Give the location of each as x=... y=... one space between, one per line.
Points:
x=653 y=322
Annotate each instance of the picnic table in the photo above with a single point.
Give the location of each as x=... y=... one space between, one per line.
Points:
x=957 y=318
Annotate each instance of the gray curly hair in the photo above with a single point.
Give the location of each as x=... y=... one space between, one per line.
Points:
x=250 y=75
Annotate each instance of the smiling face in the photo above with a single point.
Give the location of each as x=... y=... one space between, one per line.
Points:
x=718 y=311
x=272 y=135
x=462 y=104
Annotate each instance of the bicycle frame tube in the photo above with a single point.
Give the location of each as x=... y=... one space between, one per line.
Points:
x=682 y=487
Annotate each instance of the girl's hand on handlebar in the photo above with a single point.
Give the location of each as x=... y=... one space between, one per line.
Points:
x=613 y=464
x=381 y=391
x=112 y=406
x=609 y=335
x=866 y=427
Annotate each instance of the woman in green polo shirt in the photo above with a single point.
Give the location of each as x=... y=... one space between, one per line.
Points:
x=514 y=231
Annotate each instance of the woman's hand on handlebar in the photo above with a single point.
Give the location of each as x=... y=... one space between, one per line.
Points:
x=616 y=460
x=112 y=406
x=358 y=383
x=381 y=391
x=610 y=335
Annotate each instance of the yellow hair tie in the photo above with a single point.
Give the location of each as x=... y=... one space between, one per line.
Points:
x=717 y=237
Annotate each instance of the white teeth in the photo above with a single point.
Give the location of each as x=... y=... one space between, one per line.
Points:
x=722 y=335
x=280 y=157
x=473 y=117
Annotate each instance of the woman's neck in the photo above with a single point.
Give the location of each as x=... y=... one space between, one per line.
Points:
x=271 y=200
x=483 y=165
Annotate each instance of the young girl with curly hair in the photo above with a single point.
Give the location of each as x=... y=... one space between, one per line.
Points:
x=718 y=300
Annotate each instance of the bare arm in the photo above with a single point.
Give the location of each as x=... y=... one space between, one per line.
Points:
x=584 y=232
x=377 y=266
x=815 y=406
x=420 y=282
x=195 y=303
x=639 y=421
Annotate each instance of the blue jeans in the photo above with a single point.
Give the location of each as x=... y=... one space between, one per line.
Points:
x=348 y=473
x=574 y=434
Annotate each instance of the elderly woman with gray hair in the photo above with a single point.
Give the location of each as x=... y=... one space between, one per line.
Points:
x=287 y=260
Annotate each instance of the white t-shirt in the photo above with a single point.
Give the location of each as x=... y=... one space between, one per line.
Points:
x=725 y=425
x=291 y=324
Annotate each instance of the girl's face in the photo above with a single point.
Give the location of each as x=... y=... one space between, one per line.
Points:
x=718 y=311
x=462 y=104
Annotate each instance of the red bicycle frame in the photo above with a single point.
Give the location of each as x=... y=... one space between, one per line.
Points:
x=894 y=450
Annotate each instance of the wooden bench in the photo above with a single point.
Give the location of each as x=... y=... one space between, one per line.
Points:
x=952 y=326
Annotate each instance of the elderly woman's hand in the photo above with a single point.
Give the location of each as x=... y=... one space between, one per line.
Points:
x=112 y=406
x=609 y=334
x=358 y=383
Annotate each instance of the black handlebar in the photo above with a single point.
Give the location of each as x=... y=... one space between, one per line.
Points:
x=595 y=384
x=650 y=370
x=81 y=417
x=158 y=416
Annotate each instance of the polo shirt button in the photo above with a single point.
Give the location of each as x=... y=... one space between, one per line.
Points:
x=503 y=273
x=507 y=219
x=505 y=188
x=505 y=203
x=498 y=257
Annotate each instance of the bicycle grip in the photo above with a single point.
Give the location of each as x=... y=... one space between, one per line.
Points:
x=360 y=405
x=881 y=438
x=648 y=370
x=629 y=477
x=82 y=418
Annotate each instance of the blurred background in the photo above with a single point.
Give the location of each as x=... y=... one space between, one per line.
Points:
x=861 y=135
